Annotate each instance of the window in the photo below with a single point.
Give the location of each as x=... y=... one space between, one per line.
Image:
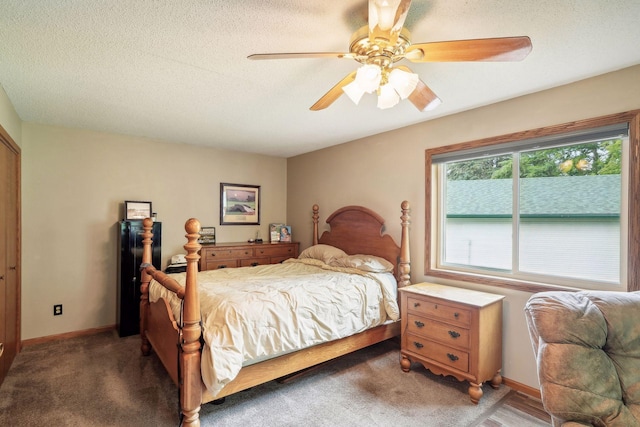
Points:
x=538 y=209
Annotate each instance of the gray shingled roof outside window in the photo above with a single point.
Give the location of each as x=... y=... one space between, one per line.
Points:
x=566 y=196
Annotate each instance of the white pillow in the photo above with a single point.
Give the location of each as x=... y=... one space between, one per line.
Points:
x=370 y=263
x=325 y=253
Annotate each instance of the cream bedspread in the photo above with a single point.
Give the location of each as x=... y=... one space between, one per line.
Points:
x=256 y=313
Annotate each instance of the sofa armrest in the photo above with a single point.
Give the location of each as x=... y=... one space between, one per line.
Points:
x=587 y=348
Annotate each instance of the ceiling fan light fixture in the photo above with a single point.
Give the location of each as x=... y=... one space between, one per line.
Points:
x=387 y=97
x=353 y=91
x=368 y=77
x=367 y=80
x=403 y=82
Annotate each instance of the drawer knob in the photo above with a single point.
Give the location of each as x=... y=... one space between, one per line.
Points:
x=417 y=344
x=419 y=324
x=416 y=304
x=452 y=357
x=456 y=315
x=454 y=334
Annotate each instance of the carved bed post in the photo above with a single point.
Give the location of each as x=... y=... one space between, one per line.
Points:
x=316 y=209
x=147 y=236
x=404 y=265
x=190 y=384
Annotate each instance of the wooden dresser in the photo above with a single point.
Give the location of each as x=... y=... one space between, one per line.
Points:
x=243 y=254
x=453 y=331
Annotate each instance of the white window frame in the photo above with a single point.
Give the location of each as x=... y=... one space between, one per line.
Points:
x=629 y=219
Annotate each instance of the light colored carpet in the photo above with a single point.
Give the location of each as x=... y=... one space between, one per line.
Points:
x=102 y=380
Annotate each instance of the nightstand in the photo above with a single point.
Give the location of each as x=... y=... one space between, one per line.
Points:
x=453 y=331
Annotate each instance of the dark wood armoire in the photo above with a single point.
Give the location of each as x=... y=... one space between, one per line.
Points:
x=129 y=260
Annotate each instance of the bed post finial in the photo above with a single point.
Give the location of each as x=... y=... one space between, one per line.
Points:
x=190 y=393
x=145 y=278
x=404 y=265
x=316 y=209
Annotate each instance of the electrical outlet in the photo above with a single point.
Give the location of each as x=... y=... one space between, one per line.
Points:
x=57 y=309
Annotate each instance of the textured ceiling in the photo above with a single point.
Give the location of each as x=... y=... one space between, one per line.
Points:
x=177 y=70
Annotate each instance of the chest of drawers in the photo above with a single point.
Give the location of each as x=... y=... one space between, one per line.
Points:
x=230 y=255
x=453 y=331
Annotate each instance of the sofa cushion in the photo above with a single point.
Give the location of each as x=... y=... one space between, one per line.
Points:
x=587 y=347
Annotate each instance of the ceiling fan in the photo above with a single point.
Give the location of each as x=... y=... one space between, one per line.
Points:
x=385 y=41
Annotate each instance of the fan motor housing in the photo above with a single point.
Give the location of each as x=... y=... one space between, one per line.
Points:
x=379 y=51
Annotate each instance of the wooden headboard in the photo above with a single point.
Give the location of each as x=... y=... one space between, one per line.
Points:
x=358 y=230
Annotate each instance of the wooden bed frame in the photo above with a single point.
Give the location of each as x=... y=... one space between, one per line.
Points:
x=354 y=229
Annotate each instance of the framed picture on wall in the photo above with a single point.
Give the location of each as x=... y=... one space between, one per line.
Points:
x=137 y=210
x=239 y=204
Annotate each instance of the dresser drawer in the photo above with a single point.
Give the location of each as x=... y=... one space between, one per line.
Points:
x=438 y=352
x=442 y=332
x=274 y=250
x=439 y=311
x=279 y=259
x=252 y=262
x=222 y=263
x=226 y=253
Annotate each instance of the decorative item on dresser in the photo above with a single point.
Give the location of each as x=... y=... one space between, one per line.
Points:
x=229 y=255
x=137 y=210
x=453 y=331
x=369 y=266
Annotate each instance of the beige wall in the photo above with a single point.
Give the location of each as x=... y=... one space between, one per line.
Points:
x=9 y=119
x=74 y=184
x=383 y=170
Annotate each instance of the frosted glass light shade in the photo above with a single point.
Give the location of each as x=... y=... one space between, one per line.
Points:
x=353 y=91
x=388 y=97
x=404 y=83
x=368 y=77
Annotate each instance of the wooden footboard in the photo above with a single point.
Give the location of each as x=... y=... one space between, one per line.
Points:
x=163 y=335
x=160 y=330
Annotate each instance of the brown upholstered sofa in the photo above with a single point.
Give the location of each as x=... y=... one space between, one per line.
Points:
x=587 y=347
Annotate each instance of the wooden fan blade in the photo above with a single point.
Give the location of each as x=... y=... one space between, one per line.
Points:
x=386 y=19
x=333 y=94
x=302 y=55
x=495 y=49
x=422 y=97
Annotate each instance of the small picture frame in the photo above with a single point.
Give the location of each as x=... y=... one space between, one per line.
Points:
x=137 y=210
x=285 y=233
x=239 y=204
x=207 y=236
x=274 y=232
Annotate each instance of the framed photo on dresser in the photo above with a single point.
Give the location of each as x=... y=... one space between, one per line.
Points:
x=134 y=210
x=285 y=233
